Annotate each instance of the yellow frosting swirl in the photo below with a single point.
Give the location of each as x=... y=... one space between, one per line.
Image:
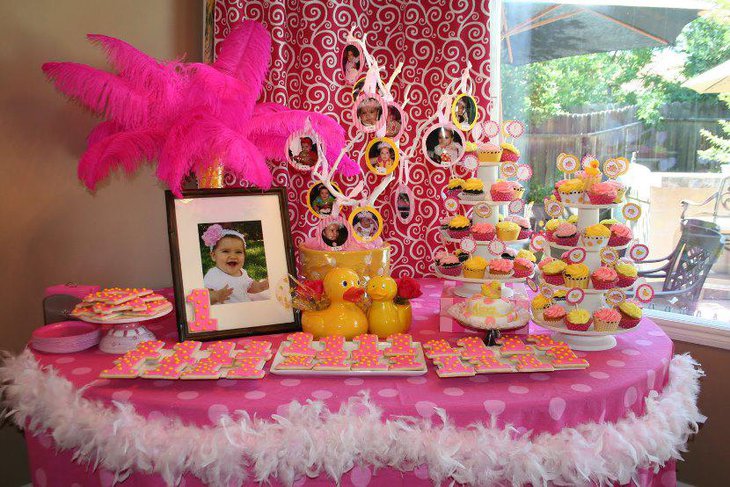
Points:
x=579 y=316
x=573 y=219
x=459 y=221
x=609 y=221
x=455 y=183
x=476 y=263
x=572 y=185
x=625 y=269
x=526 y=254
x=508 y=226
x=473 y=184
x=540 y=302
x=630 y=309
x=577 y=271
x=597 y=231
x=554 y=267
x=510 y=147
x=470 y=147
x=552 y=224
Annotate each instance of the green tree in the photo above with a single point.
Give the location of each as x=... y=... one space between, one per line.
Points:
x=719 y=146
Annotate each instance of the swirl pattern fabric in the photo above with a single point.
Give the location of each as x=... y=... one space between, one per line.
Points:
x=433 y=38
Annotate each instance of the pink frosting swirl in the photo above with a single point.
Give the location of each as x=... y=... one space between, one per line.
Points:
x=501 y=265
x=607 y=314
x=450 y=260
x=555 y=312
x=502 y=186
x=604 y=273
x=565 y=230
x=621 y=230
x=521 y=262
x=482 y=228
x=545 y=261
x=604 y=189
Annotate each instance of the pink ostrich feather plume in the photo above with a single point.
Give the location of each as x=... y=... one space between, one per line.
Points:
x=187 y=115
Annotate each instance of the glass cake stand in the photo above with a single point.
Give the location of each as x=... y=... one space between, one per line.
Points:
x=125 y=333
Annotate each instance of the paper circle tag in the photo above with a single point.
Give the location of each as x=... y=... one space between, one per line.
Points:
x=532 y=284
x=577 y=255
x=470 y=162
x=644 y=293
x=567 y=163
x=611 y=168
x=548 y=292
x=608 y=256
x=575 y=296
x=496 y=247
x=468 y=245
x=451 y=204
x=483 y=210
x=509 y=169
x=623 y=165
x=491 y=128
x=524 y=172
x=514 y=128
x=587 y=159
x=537 y=243
x=615 y=296
x=631 y=211
x=553 y=208
x=515 y=207
x=638 y=252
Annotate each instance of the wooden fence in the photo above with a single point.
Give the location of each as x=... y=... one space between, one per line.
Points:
x=671 y=145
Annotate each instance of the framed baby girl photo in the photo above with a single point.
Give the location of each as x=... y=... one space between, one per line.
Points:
x=231 y=257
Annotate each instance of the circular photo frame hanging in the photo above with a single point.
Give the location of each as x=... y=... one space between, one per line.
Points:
x=470 y=162
x=357 y=88
x=608 y=256
x=644 y=293
x=524 y=172
x=353 y=64
x=547 y=291
x=532 y=284
x=611 y=168
x=320 y=200
x=490 y=128
x=404 y=203
x=623 y=165
x=515 y=207
x=334 y=232
x=443 y=145
x=366 y=223
x=514 y=128
x=464 y=112
x=496 y=247
x=575 y=296
x=368 y=112
x=382 y=156
x=577 y=255
x=553 y=208
x=395 y=120
x=303 y=150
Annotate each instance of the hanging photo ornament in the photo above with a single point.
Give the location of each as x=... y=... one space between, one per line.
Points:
x=468 y=244
x=304 y=148
x=451 y=204
x=509 y=169
x=496 y=247
x=532 y=285
x=644 y=293
x=443 y=145
x=577 y=255
x=524 y=172
x=514 y=128
x=575 y=296
x=537 y=243
x=611 y=168
x=515 y=207
x=491 y=128
x=638 y=252
x=615 y=296
x=483 y=210
x=553 y=208
x=548 y=292
x=631 y=211
x=470 y=162
x=623 y=165
x=567 y=163
x=608 y=256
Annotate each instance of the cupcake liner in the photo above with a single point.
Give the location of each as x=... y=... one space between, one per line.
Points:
x=625 y=281
x=500 y=275
x=487 y=156
x=451 y=270
x=581 y=283
x=473 y=274
x=483 y=237
x=574 y=197
x=519 y=194
x=577 y=327
x=594 y=242
x=601 y=325
x=616 y=241
x=453 y=192
x=627 y=321
x=509 y=156
x=471 y=196
x=600 y=199
x=501 y=195
x=507 y=235
x=601 y=284
x=519 y=272
x=554 y=279
x=556 y=193
x=524 y=233
x=550 y=236
x=567 y=241
x=553 y=321
x=460 y=233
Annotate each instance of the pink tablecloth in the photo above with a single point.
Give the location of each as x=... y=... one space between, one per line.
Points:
x=616 y=383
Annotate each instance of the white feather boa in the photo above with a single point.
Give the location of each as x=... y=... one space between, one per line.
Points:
x=312 y=440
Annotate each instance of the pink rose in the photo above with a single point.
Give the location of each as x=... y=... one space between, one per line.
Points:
x=212 y=234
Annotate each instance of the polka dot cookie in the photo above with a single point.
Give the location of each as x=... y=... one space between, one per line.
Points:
x=543 y=342
x=245 y=371
x=472 y=347
x=332 y=363
x=512 y=345
x=406 y=362
x=450 y=366
x=489 y=363
x=296 y=362
x=400 y=344
x=530 y=363
x=440 y=347
x=370 y=363
x=564 y=357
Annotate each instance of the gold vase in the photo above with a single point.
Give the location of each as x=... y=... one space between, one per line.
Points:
x=210 y=177
x=367 y=263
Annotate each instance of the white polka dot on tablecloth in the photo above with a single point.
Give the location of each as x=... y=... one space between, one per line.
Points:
x=216 y=412
x=187 y=395
x=599 y=375
x=427 y=332
x=156 y=415
x=479 y=379
x=429 y=286
x=580 y=354
x=81 y=370
x=453 y=391
x=360 y=476
x=420 y=318
x=416 y=305
x=225 y=382
x=650 y=378
x=656 y=333
x=434 y=295
x=581 y=387
x=321 y=394
x=355 y=381
x=387 y=393
x=161 y=383
x=494 y=406
x=254 y=395
x=421 y=472
x=518 y=389
x=100 y=383
x=615 y=363
x=425 y=408
x=64 y=360
x=630 y=396
x=39 y=478
x=539 y=377
x=644 y=343
x=631 y=352
x=106 y=478
x=290 y=382
x=122 y=395
x=415 y=380
x=45 y=440
x=556 y=407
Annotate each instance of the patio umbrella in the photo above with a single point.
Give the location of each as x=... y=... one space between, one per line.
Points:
x=536 y=31
x=715 y=80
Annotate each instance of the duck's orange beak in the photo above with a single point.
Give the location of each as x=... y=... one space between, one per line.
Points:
x=353 y=294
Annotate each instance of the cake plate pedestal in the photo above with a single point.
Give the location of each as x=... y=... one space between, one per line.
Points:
x=493 y=331
x=125 y=334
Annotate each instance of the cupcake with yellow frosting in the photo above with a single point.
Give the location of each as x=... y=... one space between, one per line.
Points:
x=630 y=314
x=576 y=275
x=526 y=254
x=539 y=304
x=488 y=152
x=627 y=273
x=609 y=222
x=472 y=190
x=596 y=236
x=510 y=153
x=578 y=320
x=552 y=272
x=454 y=187
x=572 y=191
x=551 y=226
x=507 y=231
x=459 y=226
x=474 y=267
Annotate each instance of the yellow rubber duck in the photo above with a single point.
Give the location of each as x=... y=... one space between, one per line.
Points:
x=386 y=317
x=342 y=317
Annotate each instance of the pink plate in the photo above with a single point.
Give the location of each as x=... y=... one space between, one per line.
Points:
x=65 y=337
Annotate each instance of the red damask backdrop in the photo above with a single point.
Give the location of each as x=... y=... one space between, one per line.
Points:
x=433 y=38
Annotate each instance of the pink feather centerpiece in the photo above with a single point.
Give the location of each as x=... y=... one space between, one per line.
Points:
x=187 y=116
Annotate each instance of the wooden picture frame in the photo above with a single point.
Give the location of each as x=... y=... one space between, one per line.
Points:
x=249 y=308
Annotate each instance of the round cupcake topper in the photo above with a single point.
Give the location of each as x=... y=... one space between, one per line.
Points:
x=483 y=210
x=468 y=245
x=509 y=169
x=451 y=204
x=567 y=163
x=631 y=211
x=611 y=168
x=577 y=255
x=608 y=256
x=644 y=293
x=575 y=296
x=470 y=162
x=638 y=252
x=548 y=292
x=490 y=128
x=514 y=128
x=524 y=172
x=623 y=165
x=532 y=285
x=515 y=207
x=537 y=243
x=615 y=296
x=553 y=208
x=496 y=247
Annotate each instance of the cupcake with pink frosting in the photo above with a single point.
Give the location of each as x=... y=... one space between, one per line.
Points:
x=450 y=265
x=606 y=319
x=524 y=224
x=620 y=235
x=604 y=278
x=602 y=193
x=483 y=232
x=554 y=314
x=502 y=191
x=500 y=267
x=566 y=234
x=522 y=267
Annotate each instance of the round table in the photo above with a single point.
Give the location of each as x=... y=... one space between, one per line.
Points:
x=614 y=385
